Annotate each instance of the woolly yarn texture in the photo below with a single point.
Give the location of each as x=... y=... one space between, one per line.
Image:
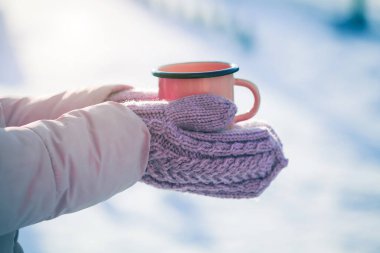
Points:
x=193 y=149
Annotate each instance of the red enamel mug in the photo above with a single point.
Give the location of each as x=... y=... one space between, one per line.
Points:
x=191 y=78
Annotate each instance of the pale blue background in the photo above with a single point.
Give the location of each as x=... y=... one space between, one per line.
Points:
x=320 y=83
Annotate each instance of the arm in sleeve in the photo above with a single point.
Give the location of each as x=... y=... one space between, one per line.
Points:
x=53 y=167
x=23 y=110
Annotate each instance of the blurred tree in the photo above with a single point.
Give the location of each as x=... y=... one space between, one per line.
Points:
x=357 y=20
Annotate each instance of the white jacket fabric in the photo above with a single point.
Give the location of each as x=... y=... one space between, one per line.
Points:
x=66 y=152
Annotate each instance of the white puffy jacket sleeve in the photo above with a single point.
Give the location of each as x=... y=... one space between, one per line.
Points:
x=52 y=167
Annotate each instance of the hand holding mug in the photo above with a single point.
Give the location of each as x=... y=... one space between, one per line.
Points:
x=191 y=150
x=193 y=78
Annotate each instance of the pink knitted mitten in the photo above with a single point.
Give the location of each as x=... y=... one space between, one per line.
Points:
x=192 y=149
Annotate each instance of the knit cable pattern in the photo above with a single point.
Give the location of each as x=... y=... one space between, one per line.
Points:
x=194 y=149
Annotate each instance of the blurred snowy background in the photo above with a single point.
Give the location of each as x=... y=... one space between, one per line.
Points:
x=317 y=64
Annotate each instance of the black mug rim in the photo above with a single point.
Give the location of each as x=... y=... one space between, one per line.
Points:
x=232 y=68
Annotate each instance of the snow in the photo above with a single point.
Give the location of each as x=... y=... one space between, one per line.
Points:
x=320 y=92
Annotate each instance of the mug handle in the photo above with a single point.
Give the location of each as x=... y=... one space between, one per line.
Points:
x=256 y=94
